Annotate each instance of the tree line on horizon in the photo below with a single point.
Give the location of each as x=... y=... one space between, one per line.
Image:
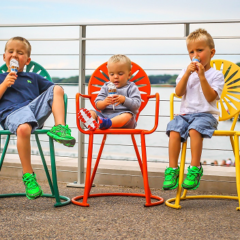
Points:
x=154 y=79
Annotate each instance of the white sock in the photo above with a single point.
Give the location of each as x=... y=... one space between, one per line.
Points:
x=199 y=167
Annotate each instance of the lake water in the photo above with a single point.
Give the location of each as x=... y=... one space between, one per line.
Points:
x=120 y=147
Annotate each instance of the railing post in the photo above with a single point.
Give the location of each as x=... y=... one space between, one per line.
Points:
x=81 y=84
x=186 y=29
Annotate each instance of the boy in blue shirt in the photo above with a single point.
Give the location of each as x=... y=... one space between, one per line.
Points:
x=26 y=101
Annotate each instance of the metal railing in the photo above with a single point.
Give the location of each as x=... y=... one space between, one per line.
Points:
x=81 y=44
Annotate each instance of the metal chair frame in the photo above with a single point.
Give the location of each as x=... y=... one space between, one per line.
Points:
x=229 y=105
x=37 y=68
x=99 y=77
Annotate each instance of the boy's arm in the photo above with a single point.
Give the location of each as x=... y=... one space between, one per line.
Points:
x=180 y=89
x=102 y=104
x=132 y=101
x=103 y=100
x=8 y=82
x=209 y=93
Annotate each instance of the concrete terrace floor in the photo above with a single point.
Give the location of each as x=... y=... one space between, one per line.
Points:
x=113 y=217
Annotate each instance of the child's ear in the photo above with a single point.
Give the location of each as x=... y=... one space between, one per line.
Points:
x=213 y=51
x=4 y=57
x=28 y=61
x=130 y=74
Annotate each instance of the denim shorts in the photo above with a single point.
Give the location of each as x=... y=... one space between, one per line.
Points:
x=131 y=124
x=35 y=113
x=204 y=123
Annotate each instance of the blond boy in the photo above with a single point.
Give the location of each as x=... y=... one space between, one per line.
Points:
x=127 y=100
x=200 y=86
x=26 y=101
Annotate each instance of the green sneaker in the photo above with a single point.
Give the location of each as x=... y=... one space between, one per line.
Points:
x=33 y=190
x=62 y=134
x=171 y=178
x=193 y=177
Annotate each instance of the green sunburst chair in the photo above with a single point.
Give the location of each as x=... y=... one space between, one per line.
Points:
x=37 y=68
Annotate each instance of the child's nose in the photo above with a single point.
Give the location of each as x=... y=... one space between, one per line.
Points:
x=14 y=54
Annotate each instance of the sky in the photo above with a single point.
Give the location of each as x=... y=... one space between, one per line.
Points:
x=70 y=11
x=95 y=11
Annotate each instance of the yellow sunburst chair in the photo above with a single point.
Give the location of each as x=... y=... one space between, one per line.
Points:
x=229 y=106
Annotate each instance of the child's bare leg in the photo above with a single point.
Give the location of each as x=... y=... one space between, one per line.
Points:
x=24 y=146
x=121 y=120
x=196 y=147
x=58 y=109
x=94 y=115
x=174 y=148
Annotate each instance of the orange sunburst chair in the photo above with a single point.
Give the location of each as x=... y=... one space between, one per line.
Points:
x=99 y=77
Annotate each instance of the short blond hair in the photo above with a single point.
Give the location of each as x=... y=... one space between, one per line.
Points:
x=120 y=58
x=21 y=39
x=201 y=34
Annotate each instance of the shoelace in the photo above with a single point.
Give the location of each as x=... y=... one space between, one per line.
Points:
x=192 y=173
x=169 y=173
x=65 y=129
x=30 y=182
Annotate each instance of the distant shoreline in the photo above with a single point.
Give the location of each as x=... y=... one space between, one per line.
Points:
x=163 y=85
x=152 y=85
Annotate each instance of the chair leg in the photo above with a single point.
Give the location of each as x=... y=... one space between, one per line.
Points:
x=4 y=151
x=88 y=173
x=180 y=181
x=137 y=152
x=138 y=156
x=181 y=175
x=145 y=172
x=237 y=167
x=54 y=178
x=44 y=164
x=97 y=161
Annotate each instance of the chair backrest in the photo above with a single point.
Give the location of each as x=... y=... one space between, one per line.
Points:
x=139 y=77
x=32 y=67
x=229 y=103
x=37 y=68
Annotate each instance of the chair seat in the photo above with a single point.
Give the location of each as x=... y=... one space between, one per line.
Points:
x=37 y=131
x=116 y=131
x=98 y=78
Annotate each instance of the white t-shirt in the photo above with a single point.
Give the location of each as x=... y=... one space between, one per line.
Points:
x=193 y=101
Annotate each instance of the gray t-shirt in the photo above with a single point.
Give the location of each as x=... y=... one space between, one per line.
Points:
x=132 y=99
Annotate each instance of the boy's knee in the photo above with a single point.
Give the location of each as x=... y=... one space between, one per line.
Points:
x=128 y=116
x=24 y=130
x=175 y=135
x=58 y=90
x=193 y=132
x=93 y=113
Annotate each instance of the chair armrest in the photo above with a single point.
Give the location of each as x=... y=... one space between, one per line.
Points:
x=78 y=95
x=172 y=104
x=156 y=113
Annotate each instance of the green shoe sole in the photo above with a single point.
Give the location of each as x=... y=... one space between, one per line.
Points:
x=32 y=198
x=65 y=142
x=171 y=188
x=190 y=188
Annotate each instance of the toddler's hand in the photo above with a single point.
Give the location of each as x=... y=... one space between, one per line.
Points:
x=108 y=100
x=10 y=79
x=118 y=99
